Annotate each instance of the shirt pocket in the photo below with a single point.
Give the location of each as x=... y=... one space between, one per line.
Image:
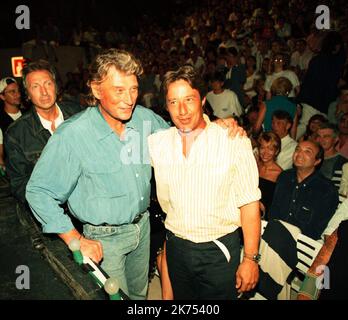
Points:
x=105 y=179
x=304 y=214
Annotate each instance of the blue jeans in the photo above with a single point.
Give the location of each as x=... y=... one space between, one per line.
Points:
x=126 y=252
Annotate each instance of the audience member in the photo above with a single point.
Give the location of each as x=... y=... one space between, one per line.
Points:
x=303 y=196
x=281 y=125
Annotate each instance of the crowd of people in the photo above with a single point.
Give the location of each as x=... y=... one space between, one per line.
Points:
x=265 y=66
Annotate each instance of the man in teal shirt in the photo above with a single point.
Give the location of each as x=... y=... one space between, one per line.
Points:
x=98 y=162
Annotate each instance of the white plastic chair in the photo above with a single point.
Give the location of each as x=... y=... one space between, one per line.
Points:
x=307 y=251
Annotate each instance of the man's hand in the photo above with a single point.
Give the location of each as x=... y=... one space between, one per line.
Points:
x=301 y=296
x=232 y=125
x=89 y=248
x=92 y=249
x=247 y=275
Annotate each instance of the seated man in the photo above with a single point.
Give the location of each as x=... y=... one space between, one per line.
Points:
x=303 y=197
x=281 y=125
x=332 y=164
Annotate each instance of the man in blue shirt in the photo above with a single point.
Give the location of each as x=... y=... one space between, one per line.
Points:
x=98 y=162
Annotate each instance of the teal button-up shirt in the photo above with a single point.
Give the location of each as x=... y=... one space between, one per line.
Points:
x=104 y=178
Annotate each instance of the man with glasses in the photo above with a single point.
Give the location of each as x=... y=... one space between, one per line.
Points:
x=9 y=110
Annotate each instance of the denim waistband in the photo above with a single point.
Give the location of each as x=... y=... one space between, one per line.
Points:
x=135 y=221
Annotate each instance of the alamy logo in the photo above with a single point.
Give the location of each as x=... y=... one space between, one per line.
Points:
x=323 y=20
x=23 y=20
x=323 y=281
x=23 y=280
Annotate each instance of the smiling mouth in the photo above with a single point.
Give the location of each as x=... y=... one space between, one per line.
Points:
x=184 y=120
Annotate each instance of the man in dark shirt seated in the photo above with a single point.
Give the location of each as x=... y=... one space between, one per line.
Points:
x=303 y=196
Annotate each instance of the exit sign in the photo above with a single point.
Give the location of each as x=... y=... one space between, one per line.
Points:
x=17 y=66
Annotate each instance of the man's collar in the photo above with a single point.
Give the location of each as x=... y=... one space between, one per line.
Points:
x=36 y=123
x=102 y=128
x=308 y=179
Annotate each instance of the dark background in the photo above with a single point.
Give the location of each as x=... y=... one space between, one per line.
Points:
x=123 y=15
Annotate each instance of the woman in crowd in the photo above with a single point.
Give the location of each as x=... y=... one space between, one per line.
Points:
x=280 y=89
x=269 y=146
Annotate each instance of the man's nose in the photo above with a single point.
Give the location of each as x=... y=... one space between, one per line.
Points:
x=44 y=91
x=182 y=108
x=127 y=98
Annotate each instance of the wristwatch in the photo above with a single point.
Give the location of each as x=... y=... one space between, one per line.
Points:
x=254 y=257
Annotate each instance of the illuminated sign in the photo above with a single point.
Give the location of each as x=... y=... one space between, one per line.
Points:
x=17 y=66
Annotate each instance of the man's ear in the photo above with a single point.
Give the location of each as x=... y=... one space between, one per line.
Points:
x=2 y=97
x=288 y=126
x=317 y=162
x=96 y=89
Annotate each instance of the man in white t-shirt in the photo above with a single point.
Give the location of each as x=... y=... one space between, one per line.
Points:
x=302 y=56
x=278 y=62
x=224 y=102
x=10 y=96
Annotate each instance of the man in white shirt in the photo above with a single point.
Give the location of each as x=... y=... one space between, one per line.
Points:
x=281 y=124
x=224 y=102
x=302 y=56
x=10 y=97
x=207 y=184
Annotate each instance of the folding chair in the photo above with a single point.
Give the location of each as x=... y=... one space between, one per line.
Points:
x=307 y=250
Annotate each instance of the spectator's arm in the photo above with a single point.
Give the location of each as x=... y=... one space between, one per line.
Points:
x=316 y=270
x=293 y=131
x=260 y=118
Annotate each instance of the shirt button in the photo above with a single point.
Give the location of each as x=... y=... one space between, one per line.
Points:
x=137 y=175
x=129 y=150
x=142 y=198
x=296 y=187
x=290 y=214
x=293 y=200
x=304 y=185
